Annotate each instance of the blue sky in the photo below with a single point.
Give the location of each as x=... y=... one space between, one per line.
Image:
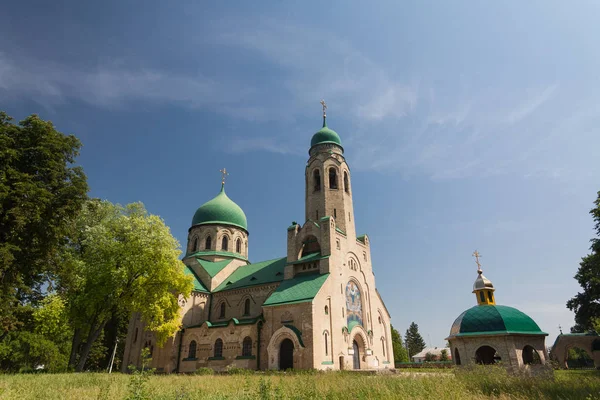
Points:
x=467 y=125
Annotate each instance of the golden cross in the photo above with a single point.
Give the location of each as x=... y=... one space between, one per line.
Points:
x=224 y=173
x=324 y=107
x=477 y=255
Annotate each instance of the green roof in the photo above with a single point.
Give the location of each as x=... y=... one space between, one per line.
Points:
x=255 y=274
x=300 y=289
x=236 y=321
x=325 y=135
x=220 y=210
x=494 y=320
x=213 y=268
x=198 y=286
x=216 y=253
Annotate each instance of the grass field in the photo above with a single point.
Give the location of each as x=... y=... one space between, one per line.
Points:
x=475 y=384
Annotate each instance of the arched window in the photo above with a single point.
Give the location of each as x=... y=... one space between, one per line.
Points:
x=333 y=184
x=225 y=243
x=326 y=341
x=346 y=183
x=456 y=356
x=482 y=297
x=222 y=313
x=218 y=348
x=530 y=356
x=247 y=347
x=238 y=246
x=195 y=248
x=316 y=180
x=487 y=355
x=490 y=297
x=326 y=310
x=208 y=243
x=247 y=307
x=383 y=345
x=192 y=349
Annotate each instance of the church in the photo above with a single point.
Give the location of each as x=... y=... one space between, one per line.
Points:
x=313 y=307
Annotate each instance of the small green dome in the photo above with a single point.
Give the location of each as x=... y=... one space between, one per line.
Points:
x=220 y=210
x=325 y=135
x=494 y=320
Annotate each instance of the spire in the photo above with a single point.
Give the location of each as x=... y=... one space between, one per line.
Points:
x=324 y=113
x=483 y=287
x=224 y=174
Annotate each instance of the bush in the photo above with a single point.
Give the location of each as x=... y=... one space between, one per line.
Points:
x=204 y=371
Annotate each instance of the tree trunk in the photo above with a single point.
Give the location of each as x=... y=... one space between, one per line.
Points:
x=85 y=352
x=74 y=347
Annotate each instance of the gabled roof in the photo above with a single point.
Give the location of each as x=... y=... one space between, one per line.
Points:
x=255 y=274
x=300 y=289
x=212 y=268
x=198 y=286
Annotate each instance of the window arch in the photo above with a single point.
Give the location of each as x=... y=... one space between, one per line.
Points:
x=247 y=347
x=222 y=311
x=225 y=243
x=326 y=310
x=218 y=348
x=530 y=356
x=195 y=245
x=247 y=307
x=333 y=184
x=346 y=183
x=456 y=356
x=316 y=180
x=326 y=344
x=238 y=245
x=192 y=349
x=208 y=243
x=383 y=345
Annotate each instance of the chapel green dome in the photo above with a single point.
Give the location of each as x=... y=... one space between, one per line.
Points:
x=325 y=135
x=493 y=320
x=220 y=210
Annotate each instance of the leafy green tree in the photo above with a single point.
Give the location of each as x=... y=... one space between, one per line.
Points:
x=400 y=354
x=41 y=191
x=586 y=304
x=414 y=340
x=125 y=261
x=444 y=355
x=429 y=357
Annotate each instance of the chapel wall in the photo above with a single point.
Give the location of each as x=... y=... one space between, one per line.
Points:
x=234 y=302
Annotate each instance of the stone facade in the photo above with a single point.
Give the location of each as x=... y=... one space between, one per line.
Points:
x=321 y=310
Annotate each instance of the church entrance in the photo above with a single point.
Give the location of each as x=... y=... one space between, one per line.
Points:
x=356 y=356
x=286 y=355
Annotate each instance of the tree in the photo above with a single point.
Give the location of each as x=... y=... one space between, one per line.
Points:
x=124 y=260
x=444 y=355
x=586 y=304
x=41 y=191
x=400 y=354
x=430 y=357
x=414 y=340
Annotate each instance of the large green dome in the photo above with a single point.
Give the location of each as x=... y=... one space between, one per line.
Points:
x=220 y=210
x=325 y=135
x=494 y=320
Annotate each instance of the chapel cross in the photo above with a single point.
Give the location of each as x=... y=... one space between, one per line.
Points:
x=224 y=173
x=477 y=255
x=324 y=107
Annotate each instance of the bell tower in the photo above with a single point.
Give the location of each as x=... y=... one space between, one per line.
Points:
x=328 y=183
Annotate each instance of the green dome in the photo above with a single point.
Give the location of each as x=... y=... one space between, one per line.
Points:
x=494 y=320
x=325 y=135
x=220 y=210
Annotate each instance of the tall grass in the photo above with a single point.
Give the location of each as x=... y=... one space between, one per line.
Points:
x=473 y=384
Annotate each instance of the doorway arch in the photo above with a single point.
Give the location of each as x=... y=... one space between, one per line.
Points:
x=356 y=355
x=486 y=355
x=286 y=354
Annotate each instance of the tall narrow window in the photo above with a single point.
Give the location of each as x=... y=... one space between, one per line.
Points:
x=346 y=184
x=482 y=297
x=222 y=313
x=383 y=345
x=316 y=180
x=219 y=348
x=247 y=347
x=247 y=307
x=192 y=349
x=225 y=244
x=334 y=213
x=238 y=246
x=333 y=178
x=195 y=248
x=326 y=310
x=326 y=340
x=208 y=243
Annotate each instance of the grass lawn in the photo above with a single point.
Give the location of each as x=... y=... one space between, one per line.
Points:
x=476 y=384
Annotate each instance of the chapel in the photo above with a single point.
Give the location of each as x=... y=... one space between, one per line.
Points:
x=314 y=306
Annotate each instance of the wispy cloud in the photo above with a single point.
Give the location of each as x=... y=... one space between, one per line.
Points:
x=531 y=104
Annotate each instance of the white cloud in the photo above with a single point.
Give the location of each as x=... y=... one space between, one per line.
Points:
x=531 y=104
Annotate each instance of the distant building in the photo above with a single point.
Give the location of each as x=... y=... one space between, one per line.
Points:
x=435 y=352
